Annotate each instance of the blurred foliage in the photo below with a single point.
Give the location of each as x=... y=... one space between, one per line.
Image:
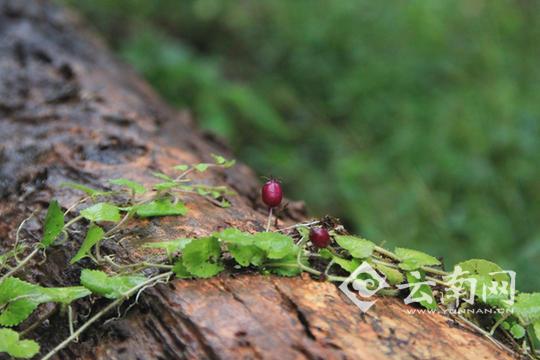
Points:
x=417 y=122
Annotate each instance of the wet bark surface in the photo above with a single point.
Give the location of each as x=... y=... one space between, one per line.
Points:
x=69 y=111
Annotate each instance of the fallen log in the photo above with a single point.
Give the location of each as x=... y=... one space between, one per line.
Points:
x=69 y=111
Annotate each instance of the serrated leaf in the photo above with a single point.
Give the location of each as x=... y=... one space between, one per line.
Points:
x=358 y=248
x=393 y=276
x=202 y=167
x=413 y=259
x=517 y=331
x=201 y=257
x=111 y=287
x=134 y=186
x=11 y=344
x=102 y=212
x=54 y=224
x=527 y=307
x=93 y=236
x=275 y=245
x=423 y=290
x=20 y=298
x=160 y=207
x=17 y=311
x=170 y=246
x=85 y=189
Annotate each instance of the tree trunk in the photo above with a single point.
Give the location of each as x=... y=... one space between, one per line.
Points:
x=69 y=111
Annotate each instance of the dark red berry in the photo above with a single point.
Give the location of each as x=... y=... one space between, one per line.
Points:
x=272 y=193
x=319 y=236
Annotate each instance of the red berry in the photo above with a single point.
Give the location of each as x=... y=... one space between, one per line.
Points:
x=319 y=236
x=272 y=193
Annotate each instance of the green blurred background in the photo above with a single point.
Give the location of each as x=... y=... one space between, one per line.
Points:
x=415 y=122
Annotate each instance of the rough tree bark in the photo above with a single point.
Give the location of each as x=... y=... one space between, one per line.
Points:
x=70 y=112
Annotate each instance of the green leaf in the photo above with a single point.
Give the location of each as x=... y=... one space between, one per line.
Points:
x=134 y=186
x=111 y=287
x=358 y=248
x=235 y=236
x=54 y=224
x=527 y=307
x=162 y=176
x=347 y=265
x=245 y=255
x=482 y=267
x=17 y=311
x=423 y=290
x=220 y=160
x=484 y=273
x=85 y=189
x=11 y=343
x=170 y=246
x=102 y=212
x=413 y=259
x=165 y=185
x=20 y=298
x=287 y=266
x=241 y=246
x=326 y=254
x=536 y=328
x=181 y=167
x=275 y=245
x=225 y=204
x=180 y=270
x=517 y=331
x=160 y=207
x=202 y=167
x=303 y=231
x=201 y=257
x=63 y=295
x=94 y=234
x=393 y=276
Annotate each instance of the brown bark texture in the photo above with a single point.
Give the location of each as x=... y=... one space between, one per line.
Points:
x=69 y=111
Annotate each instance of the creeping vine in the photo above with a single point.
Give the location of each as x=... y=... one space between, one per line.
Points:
x=321 y=248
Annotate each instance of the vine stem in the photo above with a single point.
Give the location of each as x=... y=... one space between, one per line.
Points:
x=20 y=265
x=298 y=225
x=18 y=235
x=269 y=220
x=386 y=253
x=102 y=312
x=73 y=221
x=499 y=322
